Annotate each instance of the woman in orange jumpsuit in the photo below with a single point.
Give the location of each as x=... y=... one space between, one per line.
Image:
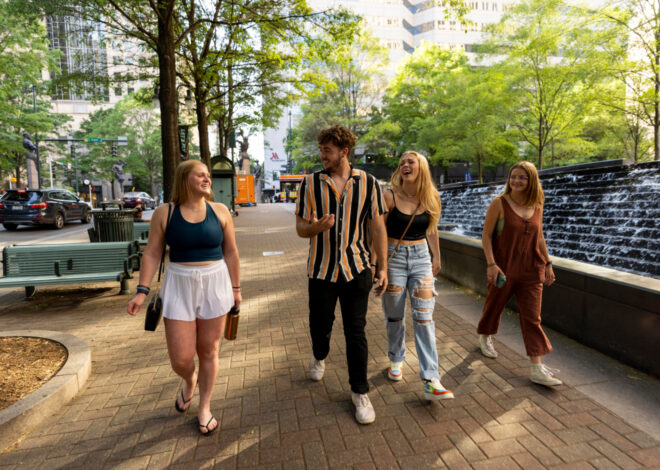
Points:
x=515 y=250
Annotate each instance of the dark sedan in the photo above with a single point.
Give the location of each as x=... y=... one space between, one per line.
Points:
x=42 y=207
x=135 y=198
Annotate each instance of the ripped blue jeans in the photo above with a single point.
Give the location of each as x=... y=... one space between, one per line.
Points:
x=409 y=270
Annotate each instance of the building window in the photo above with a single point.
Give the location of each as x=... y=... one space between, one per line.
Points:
x=426 y=27
x=130 y=90
x=118 y=91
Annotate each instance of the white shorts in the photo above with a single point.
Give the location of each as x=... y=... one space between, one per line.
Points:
x=191 y=292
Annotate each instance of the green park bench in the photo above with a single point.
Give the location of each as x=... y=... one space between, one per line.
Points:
x=71 y=263
x=141 y=231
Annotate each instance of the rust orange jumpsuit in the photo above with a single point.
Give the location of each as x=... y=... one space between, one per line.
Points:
x=516 y=251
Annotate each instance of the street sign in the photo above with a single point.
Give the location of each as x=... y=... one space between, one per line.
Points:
x=86 y=181
x=12 y=179
x=94 y=139
x=122 y=140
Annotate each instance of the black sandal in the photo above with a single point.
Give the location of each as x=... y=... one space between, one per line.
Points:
x=208 y=431
x=183 y=399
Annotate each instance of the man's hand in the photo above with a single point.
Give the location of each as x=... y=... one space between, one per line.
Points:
x=380 y=281
x=322 y=224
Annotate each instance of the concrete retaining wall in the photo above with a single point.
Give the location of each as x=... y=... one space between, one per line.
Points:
x=611 y=311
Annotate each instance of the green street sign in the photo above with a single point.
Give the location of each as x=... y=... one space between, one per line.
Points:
x=94 y=139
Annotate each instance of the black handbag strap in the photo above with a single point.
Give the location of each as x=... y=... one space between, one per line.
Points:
x=162 y=257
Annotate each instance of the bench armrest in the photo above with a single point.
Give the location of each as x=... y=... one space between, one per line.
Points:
x=127 y=269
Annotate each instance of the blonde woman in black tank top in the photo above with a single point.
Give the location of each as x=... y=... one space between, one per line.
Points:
x=411 y=269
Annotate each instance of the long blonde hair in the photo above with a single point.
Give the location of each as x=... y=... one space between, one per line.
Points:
x=425 y=189
x=534 y=193
x=181 y=189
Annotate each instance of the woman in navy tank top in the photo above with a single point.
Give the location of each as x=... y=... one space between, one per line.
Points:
x=410 y=269
x=201 y=283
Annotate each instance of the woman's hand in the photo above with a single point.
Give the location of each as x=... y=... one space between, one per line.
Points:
x=135 y=304
x=237 y=297
x=491 y=275
x=549 y=275
x=437 y=265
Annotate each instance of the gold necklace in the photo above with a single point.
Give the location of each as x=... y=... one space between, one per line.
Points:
x=406 y=194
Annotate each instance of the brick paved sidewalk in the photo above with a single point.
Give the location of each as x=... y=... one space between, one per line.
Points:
x=272 y=416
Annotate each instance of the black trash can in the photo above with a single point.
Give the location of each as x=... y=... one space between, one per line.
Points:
x=112 y=223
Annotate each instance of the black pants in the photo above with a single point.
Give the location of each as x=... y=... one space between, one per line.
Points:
x=353 y=299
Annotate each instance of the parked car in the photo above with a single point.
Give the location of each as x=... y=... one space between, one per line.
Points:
x=42 y=207
x=135 y=198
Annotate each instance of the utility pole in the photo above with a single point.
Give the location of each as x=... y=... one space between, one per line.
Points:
x=36 y=137
x=74 y=157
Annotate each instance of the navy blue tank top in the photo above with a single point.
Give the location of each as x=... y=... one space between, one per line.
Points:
x=191 y=242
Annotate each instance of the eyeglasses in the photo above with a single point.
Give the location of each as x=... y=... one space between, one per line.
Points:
x=519 y=178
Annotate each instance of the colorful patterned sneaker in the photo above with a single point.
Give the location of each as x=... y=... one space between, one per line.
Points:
x=394 y=371
x=433 y=390
x=486 y=345
x=364 y=410
x=316 y=369
x=543 y=375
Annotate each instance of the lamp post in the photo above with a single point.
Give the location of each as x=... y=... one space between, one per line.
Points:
x=289 y=166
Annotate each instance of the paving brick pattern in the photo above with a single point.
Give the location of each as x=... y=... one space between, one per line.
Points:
x=273 y=417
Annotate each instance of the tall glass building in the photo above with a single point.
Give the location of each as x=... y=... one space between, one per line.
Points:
x=83 y=51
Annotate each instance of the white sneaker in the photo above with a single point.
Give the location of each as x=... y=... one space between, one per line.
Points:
x=486 y=345
x=316 y=369
x=542 y=374
x=364 y=410
x=394 y=371
x=434 y=390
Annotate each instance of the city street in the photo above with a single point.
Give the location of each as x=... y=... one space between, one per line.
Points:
x=74 y=232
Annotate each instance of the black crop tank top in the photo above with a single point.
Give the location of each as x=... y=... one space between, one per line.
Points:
x=190 y=242
x=397 y=222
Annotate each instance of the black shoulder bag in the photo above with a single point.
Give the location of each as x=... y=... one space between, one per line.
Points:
x=155 y=308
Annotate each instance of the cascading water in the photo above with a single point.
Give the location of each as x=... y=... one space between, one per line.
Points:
x=605 y=213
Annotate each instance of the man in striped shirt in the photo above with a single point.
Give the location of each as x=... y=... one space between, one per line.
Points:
x=337 y=210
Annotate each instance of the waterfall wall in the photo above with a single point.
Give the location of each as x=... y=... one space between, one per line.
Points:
x=603 y=213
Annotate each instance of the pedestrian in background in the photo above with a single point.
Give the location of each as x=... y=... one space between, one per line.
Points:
x=201 y=284
x=336 y=208
x=413 y=211
x=518 y=264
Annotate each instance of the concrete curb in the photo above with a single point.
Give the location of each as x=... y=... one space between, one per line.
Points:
x=26 y=414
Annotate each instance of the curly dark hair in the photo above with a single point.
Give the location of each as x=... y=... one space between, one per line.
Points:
x=338 y=135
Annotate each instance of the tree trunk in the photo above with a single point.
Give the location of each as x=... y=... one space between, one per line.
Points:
x=203 y=129
x=541 y=129
x=169 y=115
x=656 y=97
x=480 y=167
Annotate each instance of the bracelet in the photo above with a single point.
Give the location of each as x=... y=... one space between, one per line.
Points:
x=491 y=265
x=549 y=263
x=236 y=287
x=373 y=265
x=142 y=290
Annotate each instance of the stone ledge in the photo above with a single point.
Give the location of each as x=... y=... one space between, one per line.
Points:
x=26 y=414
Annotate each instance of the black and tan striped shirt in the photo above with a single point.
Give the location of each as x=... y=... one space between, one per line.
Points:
x=344 y=247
